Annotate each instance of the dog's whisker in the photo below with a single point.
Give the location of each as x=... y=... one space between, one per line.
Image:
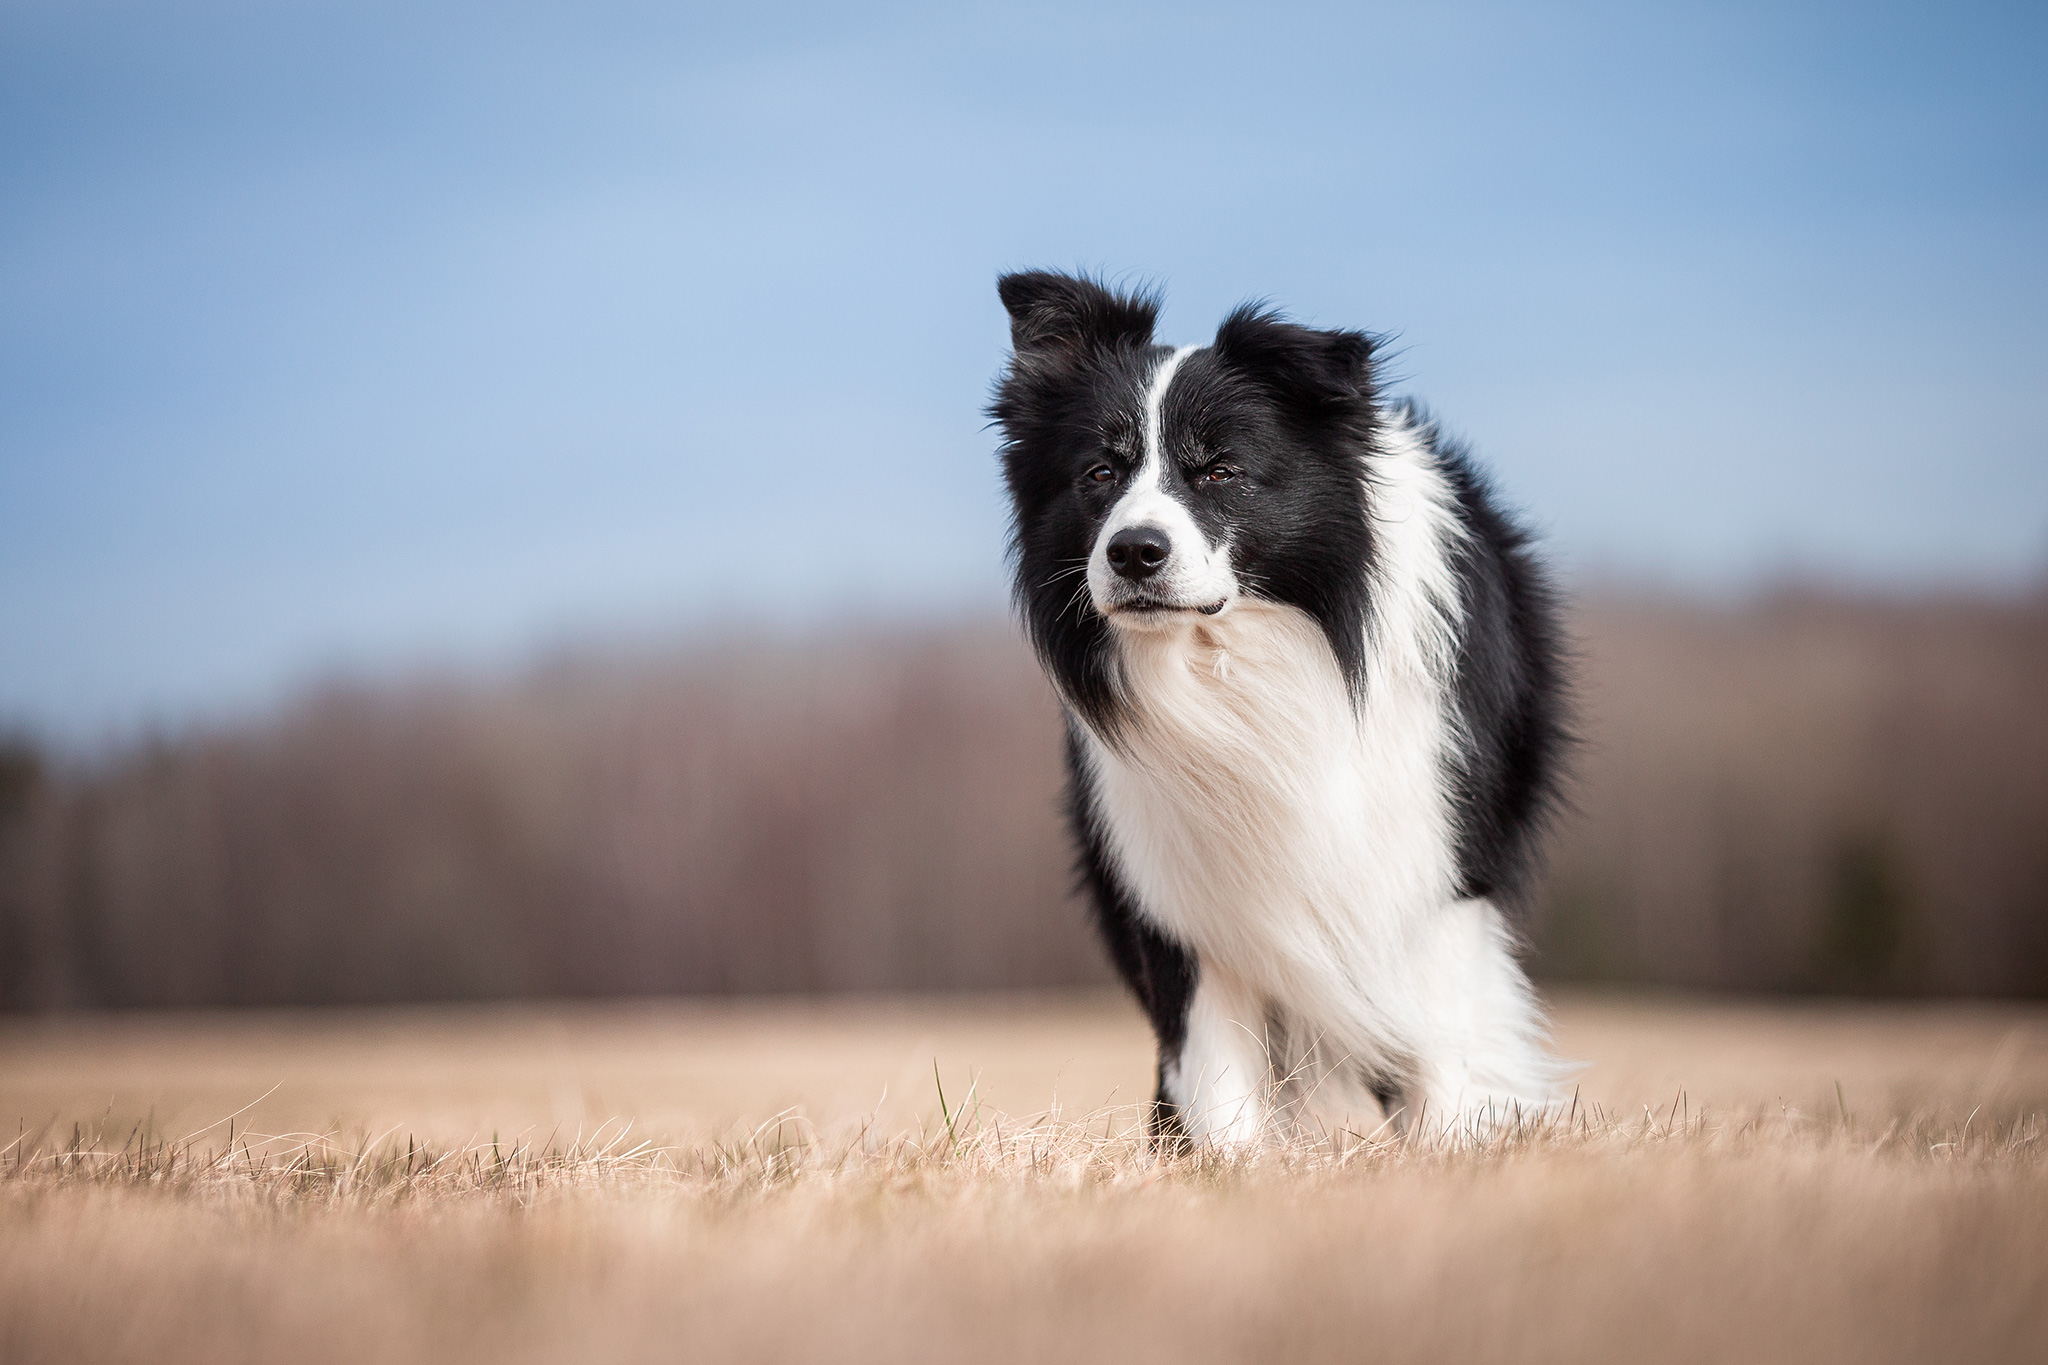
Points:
x=1064 y=573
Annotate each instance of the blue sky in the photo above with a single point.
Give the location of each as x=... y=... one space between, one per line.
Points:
x=364 y=335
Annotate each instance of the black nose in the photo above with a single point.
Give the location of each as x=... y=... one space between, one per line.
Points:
x=1139 y=551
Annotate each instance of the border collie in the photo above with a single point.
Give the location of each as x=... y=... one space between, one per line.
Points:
x=1315 y=712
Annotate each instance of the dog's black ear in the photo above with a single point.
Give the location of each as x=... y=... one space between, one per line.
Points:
x=1300 y=365
x=1053 y=312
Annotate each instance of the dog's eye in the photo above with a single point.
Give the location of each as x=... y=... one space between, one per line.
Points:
x=1101 y=473
x=1219 y=472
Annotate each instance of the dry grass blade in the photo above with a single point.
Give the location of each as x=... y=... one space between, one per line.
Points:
x=971 y=1148
x=1766 y=1236
x=468 y=1206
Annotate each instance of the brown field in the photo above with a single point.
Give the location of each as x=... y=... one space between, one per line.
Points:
x=777 y=1181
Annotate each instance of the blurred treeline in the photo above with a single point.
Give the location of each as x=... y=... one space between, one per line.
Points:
x=1812 y=793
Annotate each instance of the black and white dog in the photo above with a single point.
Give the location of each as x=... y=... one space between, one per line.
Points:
x=1315 y=713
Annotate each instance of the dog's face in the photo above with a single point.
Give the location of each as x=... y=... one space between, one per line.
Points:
x=1153 y=488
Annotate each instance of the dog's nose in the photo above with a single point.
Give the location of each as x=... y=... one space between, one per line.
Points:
x=1139 y=551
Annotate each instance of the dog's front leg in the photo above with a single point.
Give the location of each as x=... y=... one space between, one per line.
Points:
x=1482 y=1063
x=1221 y=1081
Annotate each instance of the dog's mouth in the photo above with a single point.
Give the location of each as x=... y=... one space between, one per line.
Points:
x=1152 y=606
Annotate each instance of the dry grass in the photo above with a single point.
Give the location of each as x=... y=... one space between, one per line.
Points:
x=1901 y=1213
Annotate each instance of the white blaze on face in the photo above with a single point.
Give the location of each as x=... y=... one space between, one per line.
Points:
x=1196 y=573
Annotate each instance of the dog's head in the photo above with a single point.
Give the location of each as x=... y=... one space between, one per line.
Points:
x=1154 y=488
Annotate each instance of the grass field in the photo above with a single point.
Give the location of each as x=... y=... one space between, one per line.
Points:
x=778 y=1181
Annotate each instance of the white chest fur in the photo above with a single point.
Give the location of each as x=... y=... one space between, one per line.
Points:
x=1302 y=841
x=1290 y=835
